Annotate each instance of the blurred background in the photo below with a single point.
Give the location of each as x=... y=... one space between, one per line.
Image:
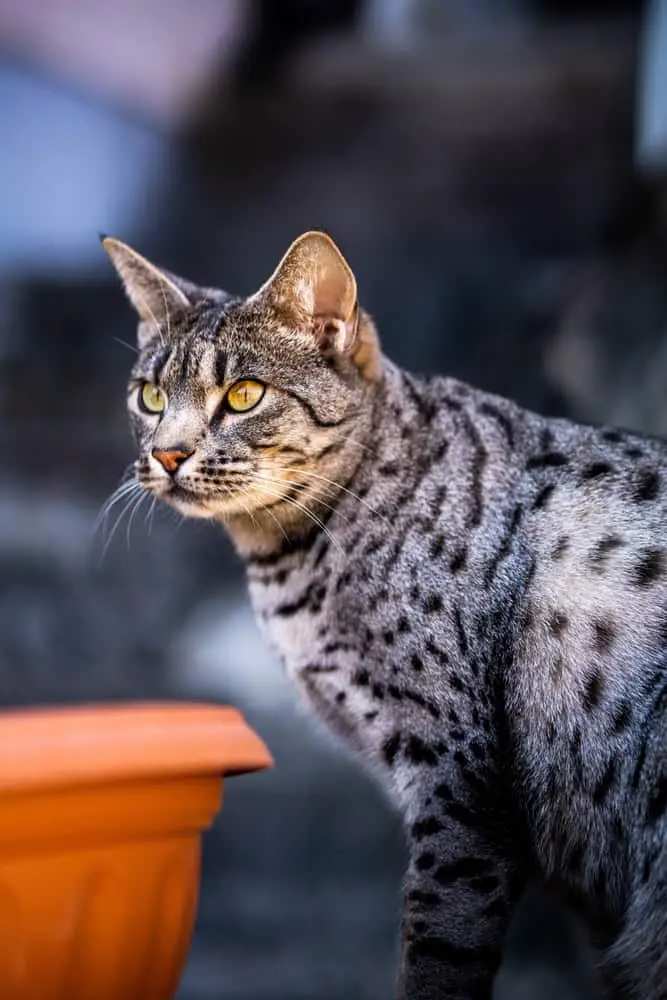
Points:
x=496 y=173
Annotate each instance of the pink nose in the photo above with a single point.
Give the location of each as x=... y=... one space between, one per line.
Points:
x=170 y=458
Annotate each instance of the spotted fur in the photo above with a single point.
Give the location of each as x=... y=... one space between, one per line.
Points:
x=472 y=597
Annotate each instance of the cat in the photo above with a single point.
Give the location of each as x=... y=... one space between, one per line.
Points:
x=472 y=597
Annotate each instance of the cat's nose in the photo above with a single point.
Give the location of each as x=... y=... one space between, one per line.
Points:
x=171 y=458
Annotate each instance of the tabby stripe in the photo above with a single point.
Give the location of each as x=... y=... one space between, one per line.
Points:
x=505 y=546
x=312 y=595
x=313 y=415
x=503 y=421
x=477 y=468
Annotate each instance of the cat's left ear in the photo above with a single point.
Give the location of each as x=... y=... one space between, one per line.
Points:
x=314 y=287
x=155 y=294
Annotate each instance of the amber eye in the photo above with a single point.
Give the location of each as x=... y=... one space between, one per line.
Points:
x=244 y=395
x=151 y=398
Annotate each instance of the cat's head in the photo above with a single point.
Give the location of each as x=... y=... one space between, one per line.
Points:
x=250 y=408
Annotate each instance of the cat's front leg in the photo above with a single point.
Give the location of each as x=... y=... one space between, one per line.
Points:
x=460 y=893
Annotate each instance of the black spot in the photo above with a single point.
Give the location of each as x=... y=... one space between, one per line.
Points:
x=388 y=637
x=543 y=496
x=463 y=868
x=415 y=592
x=458 y=560
x=371 y=716
x=477 y=749
x=403 y=625
x=649 y=567
x=575 y=742
x=444 y=792
x=395 y=692
x=418 y=752
x=373 y=546
x=599 y=554
x=311 y=599
x=433 y=603
x=461 y=636
x=557 y=622
x=615 y=437
x=647 y=485
x=389 y=469
x=622 y=717
x=634 y=452
x=362 y=678
x=425 y=861
x=416 y=662
x=435 y=651
x=377 y=690
x=463 y=815
x=437 y=546
x=456 y=683
x=658 y=801
x=340 y=697
x=605 y=784
x=439 y=451
x=426 y=828
x=560 y=547
x=604 y=633
x=423 y=897
x=597 y=469
x=390 y=748
x=550 y=460
x=593 y=691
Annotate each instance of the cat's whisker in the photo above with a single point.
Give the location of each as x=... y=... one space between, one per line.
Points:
x=271 y=515
x=358 y=444
x=339 y=486
x=124 y=343
x=137 y=504
x=301 y=486
x=126 y=507
x=119 y=493
x=313 y=517
x=150 y=514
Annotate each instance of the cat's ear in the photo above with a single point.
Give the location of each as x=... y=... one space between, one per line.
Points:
x=315 y=288
x=155 y=294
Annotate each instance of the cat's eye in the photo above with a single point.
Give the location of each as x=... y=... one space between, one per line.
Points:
x=151 y=398
x=244 y=395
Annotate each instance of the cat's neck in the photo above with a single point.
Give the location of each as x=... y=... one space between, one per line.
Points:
x=286 y=526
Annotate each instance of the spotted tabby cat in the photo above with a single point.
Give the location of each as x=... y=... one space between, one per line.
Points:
x=473 y=597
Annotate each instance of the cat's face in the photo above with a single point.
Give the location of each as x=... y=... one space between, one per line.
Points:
x=248 y=408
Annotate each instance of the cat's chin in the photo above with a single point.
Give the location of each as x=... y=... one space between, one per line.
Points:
x=188 y=504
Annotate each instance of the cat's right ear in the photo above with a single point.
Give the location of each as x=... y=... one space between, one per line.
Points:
x=155 y=294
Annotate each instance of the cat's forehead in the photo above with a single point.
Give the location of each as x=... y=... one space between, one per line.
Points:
x=215 y=341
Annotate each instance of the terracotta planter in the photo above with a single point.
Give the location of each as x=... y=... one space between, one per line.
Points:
x=101 y=815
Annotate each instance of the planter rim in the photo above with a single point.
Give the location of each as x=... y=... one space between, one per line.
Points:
x=92 y=744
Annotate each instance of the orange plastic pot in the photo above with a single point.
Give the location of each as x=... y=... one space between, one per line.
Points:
x=101 y=816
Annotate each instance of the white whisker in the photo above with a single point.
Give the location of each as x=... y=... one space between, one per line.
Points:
x=339 y=486
x=313 y=517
